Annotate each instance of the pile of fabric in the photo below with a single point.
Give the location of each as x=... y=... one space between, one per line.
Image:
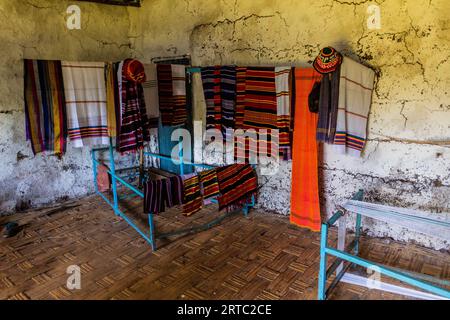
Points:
x=232 y=185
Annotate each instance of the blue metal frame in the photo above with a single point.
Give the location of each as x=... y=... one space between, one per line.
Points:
x=151 y=235
x=345 y=256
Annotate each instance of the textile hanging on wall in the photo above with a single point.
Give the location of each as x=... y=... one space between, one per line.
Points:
x=241 y=75
x=209 y=183
x=219 y=85
x=111 y=102
x=237 y=184
x=282 y=84
x=328 y=106
x=151 y=95
x=163 y=193
x=193 y=199
x=172 y=94
x=260 y=108
x=305 y=205
x=85 y=98
x=134 y=129
x=355 y=97
x=45 y=106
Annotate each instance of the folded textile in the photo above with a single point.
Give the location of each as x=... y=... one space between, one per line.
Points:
x=328 y=106
x=172 y=94
x=45 y=106
x=237 y=184
x=209 y=183
x=355 y=97
x=305 y=207
x=282 y=84
x=219 y=85
x=134 y=129
x=193 y=199
x=163 y=193
x=85 y=98
x=151 y=95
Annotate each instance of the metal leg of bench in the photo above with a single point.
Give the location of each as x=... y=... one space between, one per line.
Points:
x=151 y=225
x=357 y=233
x=323 y=262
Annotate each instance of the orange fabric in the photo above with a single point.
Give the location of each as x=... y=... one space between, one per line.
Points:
x=305 y=206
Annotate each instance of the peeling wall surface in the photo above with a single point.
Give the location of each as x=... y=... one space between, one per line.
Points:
x=406 y=160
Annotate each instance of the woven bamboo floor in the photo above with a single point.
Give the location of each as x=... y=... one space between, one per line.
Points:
x=261 y=257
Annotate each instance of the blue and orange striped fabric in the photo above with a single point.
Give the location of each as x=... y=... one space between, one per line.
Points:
x=45 y=106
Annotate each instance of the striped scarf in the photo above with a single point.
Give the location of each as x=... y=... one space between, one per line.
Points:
x=85 y=98
x=111 y=102
x=151 y=95
x=162 y=193
x=172 y=94
x=282 y=84
x=45 y=106
x=328 y=106
x=219 y=85
x=134 y=129
x=209 y=183
x=237 y=184
x=193 y=199
x=260 y=110
x=355 y=97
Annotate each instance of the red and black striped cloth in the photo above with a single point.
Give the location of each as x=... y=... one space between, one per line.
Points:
x=219 y=86
x=193 y=199
x=233 y=185
x=172 y=94
x=134 y=128
x=237 y=184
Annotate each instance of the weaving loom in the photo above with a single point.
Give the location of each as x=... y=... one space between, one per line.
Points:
x=348 y=256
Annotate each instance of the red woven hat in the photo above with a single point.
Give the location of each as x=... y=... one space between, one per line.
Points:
x=328 y=60
x=134 y=70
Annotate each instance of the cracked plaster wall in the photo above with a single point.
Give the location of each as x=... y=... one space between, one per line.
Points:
x=406 y=161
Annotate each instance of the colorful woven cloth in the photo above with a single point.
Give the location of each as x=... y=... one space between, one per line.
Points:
x=237 y=184
x=163 y=193
x=151 y=95
x=134 y=129
x=282 y=84
x=85 y=98
x=355 y=97
x=111 y=102
x=193 y=199
x=44 y=106
x=260 y=109
x=328 y=106
x=219 y=85
x=305 y=208
x=209 y=183
x=241 y=75
x=172 y=94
